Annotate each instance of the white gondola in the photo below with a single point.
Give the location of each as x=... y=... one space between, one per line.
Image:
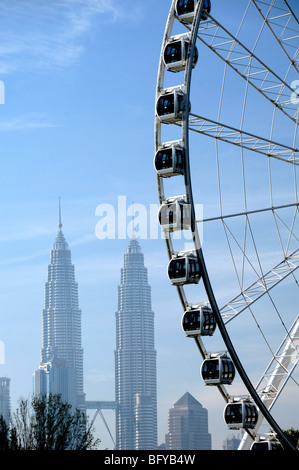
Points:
x=169 y=160
x=266 y=444
x=171 y=105
x=176 y=53
x=242 y=414
x=185 y=9
x=218 y=370
x=184 y=269
x=175 y=214
x=199 y=321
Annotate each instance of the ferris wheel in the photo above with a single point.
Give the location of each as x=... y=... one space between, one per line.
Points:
x=226 y=159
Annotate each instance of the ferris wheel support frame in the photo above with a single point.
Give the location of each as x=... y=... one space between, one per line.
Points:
x=293 y=60
x=196 y=240
x=276 y=375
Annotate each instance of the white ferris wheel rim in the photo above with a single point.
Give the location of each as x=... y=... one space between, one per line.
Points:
x=189 y=121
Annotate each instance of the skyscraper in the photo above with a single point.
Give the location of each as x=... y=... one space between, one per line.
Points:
x=188 y=426
x=5 y=399
x=135 y=357
x=61 y=369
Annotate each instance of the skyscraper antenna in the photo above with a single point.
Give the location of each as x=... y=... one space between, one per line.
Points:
x=59 y=224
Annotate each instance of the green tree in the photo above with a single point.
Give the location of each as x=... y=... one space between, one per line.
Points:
x=4 y=434
x=47 y=423
x=293 y=436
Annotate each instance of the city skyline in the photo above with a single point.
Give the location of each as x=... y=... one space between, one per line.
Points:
x=78 y=122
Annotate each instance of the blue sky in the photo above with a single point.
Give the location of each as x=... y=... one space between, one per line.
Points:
x=78 y=123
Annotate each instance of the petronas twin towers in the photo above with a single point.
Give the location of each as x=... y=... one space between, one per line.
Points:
x=61 y=367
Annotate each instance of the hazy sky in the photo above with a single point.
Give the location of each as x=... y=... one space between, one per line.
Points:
x=78 y=123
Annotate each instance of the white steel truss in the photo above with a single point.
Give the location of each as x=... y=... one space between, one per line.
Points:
x=242 y=139
x=249 y=66
x=282 y=364
x=282 y=23
x=276 y=375
x=260 y=287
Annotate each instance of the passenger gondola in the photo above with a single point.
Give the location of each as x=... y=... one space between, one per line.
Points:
x=176 y=54
x=169 y=161
x=218 y=370
x=171 y=106
x=185 y=9
x=175 y=215
x=184 y=270
x=241 y=415
x=199 y=321
x=266 y=444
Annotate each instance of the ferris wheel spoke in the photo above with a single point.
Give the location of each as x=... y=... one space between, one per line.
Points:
x=239 y=214
x=242 y=139
x=291 y=11
x=243 y=61
x=281 y=26
x=281 y=366
x=288 y=228
x=260 y=287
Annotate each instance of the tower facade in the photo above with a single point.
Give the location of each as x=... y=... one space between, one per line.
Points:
x=188 y=426
x=135 y=357
x=61 y=369
x=5 y=399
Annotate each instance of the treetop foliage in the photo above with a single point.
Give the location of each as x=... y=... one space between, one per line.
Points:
x=47 y=423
